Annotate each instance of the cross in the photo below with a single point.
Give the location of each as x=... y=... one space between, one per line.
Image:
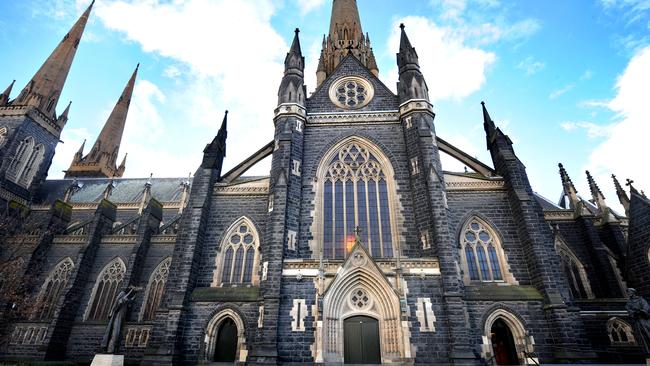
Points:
x=629 y=182
x=358 y=231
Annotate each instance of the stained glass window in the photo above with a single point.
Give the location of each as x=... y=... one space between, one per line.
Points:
x=356 y=194
x=574 y=272
x=239 y=255
x=53 y=288
x=108 y=285
x=483 y=256
x=155 y=290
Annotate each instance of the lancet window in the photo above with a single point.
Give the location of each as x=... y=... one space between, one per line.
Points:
x=574 y=272
x=155 y=290
x=3 y=136
x=239 y=255
x=481 y=253
x=26 y=161
x=53 y=288
x=108 y=285
x=356 y=192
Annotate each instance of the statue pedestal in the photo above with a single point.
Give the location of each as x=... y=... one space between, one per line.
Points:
x=108 y=360
x=647 y=361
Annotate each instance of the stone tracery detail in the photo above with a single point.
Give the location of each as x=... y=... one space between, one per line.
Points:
x=108 y=285
x=155 y=290
x=239 y=256
x=481 y=254
x=53 y=288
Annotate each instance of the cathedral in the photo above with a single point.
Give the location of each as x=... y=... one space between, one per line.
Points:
x=358 y=247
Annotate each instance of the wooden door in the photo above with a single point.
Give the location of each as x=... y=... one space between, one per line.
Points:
x=362 y=346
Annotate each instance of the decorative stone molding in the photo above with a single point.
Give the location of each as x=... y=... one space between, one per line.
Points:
x=119 y=239
x=383 y=117
x=8 y=196
x=69 y=239
x=291 y=240
x=163 y=239
x=415 y=105
x=137 y=336
x=253 y=188
x=290 y=109
x=476 y=185
x=298 y=313
x=29 y=334
x=425 y=315
x=564 y=215
x=311 y=268
x=33 y=113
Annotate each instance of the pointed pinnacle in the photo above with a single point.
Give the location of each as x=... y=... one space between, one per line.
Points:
x=66 y=111
x=488 y=124
x=4 y=97
x=81 y=148
x=123 y=163
x=295 y=45
x=595 y=190
x=405 y=43
x=622 y=195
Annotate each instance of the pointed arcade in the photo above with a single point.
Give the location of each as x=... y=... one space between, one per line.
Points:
x=102 y=158
x=44 y=90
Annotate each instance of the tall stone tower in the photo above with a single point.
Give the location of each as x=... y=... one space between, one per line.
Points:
x=346 y=36
x=102 y=158
x=29 y=125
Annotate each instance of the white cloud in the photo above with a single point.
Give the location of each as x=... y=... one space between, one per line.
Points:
x=593 y=130
x=453 y=70
x=530 y=65
x=625 y=149
x=587 y=75
x=306 y=6
x=563 y=90
x=233 y=62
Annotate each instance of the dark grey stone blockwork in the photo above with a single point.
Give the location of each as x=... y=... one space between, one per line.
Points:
x=295 y=346
x=638 y=260
x=492 y=207
x=429 y=347
x=231 y=208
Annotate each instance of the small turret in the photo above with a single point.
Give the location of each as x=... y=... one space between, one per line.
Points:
x=411 y=84
x=292 y=89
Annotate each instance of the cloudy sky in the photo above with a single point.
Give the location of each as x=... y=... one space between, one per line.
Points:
x=567 y=80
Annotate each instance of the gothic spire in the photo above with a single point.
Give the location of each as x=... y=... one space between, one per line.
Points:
x=345 y=37
x=622 y=195
x=4 y=97
x=102 y=158
x=294 y=62
x=63 y=118
x=44 y=89
x=215 y=151
x=411 y=83
x=569 y=189
x=292 y=88
x=488 y=124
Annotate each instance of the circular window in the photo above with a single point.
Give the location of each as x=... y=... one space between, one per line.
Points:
x=351 y=92
x=359 y=299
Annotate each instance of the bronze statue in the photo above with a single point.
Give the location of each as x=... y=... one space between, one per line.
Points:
x=111 y=340
x=639 y=311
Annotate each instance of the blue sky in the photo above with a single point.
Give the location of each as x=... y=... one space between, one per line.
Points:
x=565 y=79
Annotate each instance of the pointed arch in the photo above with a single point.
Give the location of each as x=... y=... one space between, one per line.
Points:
x=155 y=290
x=107 y=286
x=238 y=259
x=3 y=135
x=360 y=288
x=523 y=341
x=19 y=161
x=481 y=253
x=620 y=332
x=574 y=270
x=53 y=288
x=356 y=187
x=212 y=334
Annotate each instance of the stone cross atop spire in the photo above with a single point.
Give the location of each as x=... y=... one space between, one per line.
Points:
x=345 y=36
x=44 y=90
x=101 y=161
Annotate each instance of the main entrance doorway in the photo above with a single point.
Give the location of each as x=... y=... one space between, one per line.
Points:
x=503 y=344
x=361 y=335
x=226 y=348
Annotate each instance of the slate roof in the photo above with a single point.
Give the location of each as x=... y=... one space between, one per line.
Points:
x=127 y=190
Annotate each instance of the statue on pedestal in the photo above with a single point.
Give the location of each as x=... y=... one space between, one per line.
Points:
x=112 y=336
x=639 y=312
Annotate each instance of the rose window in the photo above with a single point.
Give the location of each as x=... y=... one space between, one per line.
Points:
x=351 y=93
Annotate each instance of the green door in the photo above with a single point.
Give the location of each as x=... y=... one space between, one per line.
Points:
x=362 y=340
x=226 y=347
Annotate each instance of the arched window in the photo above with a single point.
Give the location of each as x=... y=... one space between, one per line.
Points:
x=356 y=190
x=53 y=288
x=574 y=272
x=155 y=290
x=237 y=262
x=3 y=136
x=19 y=161
x=108 y=285
x=481 y=253
x=33 y=163
x=620 y=332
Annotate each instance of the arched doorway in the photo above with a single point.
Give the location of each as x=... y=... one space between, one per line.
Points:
x=361 y=334
x=225 y=349
x=503 y=344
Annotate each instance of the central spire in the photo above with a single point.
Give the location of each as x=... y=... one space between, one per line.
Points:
x=346 y=36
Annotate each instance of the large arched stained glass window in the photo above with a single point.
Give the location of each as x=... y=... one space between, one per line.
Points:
x=481 y=253
x=108 y=285
x=237 y=262
x=53 y=288
x=356 y=192
x=574 y=271
x=155 y=290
